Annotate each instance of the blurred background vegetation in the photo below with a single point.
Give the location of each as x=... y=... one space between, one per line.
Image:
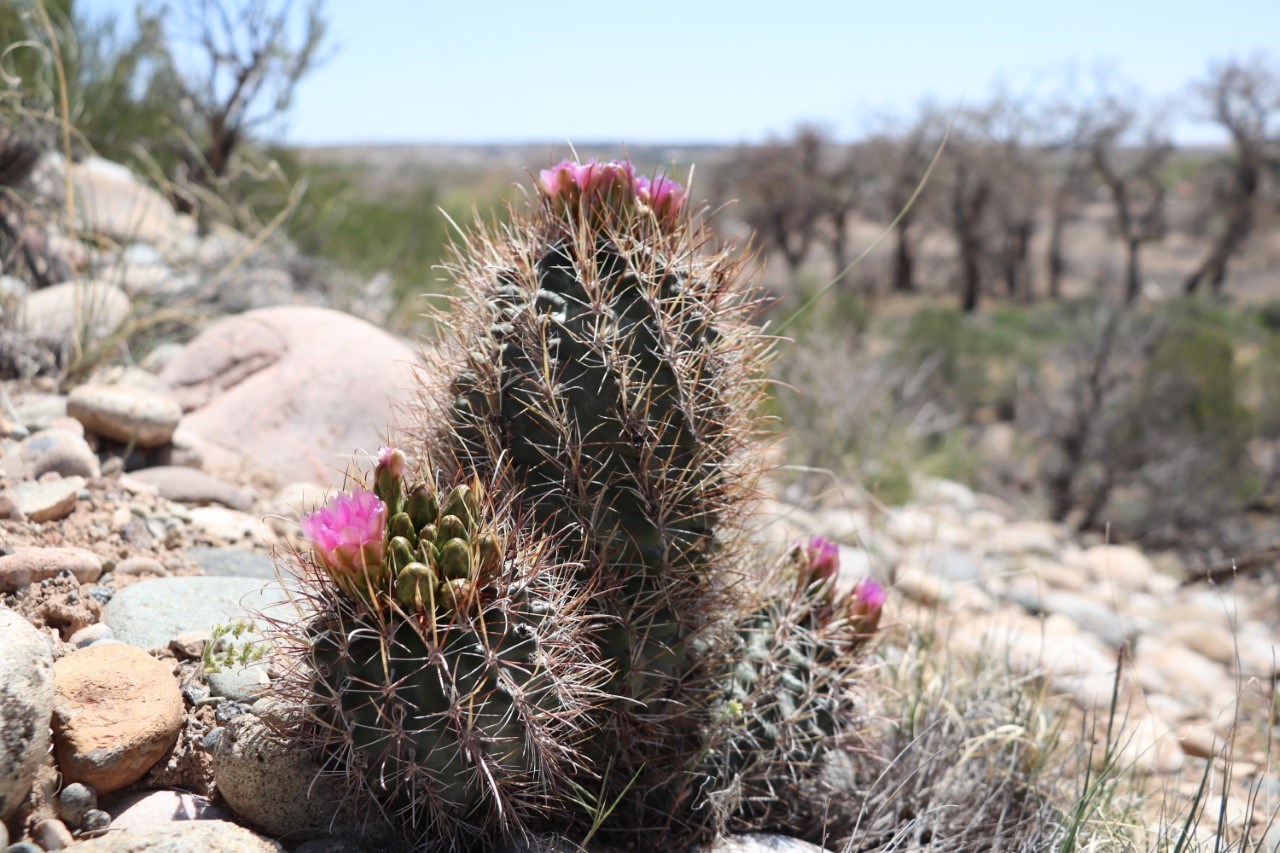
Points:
x=1073 y=313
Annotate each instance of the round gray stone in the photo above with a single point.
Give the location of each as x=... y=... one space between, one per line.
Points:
x=150 y=613
x=59 y=450
x=26 y=707
x=125 y=413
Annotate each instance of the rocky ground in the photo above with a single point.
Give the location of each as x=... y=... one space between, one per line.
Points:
x=139 y=511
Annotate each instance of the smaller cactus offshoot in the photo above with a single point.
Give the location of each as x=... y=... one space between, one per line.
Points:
x=443 y=670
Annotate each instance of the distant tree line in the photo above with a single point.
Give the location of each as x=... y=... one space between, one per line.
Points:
x=1012 y=169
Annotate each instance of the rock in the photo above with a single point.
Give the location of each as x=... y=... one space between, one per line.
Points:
x=4 y=836
x=1027 y=537
x=151 y=613
x=37 y=411
x=242 y=684
x=232 y=562
x=1123 y=567
x=140 y=567
x=52 y=834
x=148 y=810
x=123 y=413
x=189 y=486
x=91 y=308
x=339 y=845
x=1182 y=674
x=58 y=450
x=1202 y=742
x=90 y=634
x=1215 y=642
x=26 y=704
x=1146 y=746
x=75 y=801
x=280 y=388
x=276 y=789
x=28 y=565
x=117 y=712
x=923 y=587
x=96 y=822
x=113 y=202
x=190 y=646
x=1096 y=618
x=199 y=836
x=939 y=492
x=291 y=503
x=48 y=501
x=218 y=524
x=761 y=842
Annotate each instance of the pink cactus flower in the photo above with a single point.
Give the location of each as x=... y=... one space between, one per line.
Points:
x=392 y=460
x=599 y=178
x=560 y=178
x=348 y=534
x=820 y=559
x=662 y=195
x=866 y=601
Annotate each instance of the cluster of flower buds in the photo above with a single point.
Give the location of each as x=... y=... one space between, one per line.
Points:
x=429 y=554
x=817 y=564
x=590 y=184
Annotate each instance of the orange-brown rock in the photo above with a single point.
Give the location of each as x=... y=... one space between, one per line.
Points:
x=117 y=711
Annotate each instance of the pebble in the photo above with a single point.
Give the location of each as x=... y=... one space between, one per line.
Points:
x=26 y=702
x=197 y=836
x=48 y=501
x=96 y=822
x=1122 y=566
x=922 y=587
x=75 y=801
x=52 y=834
x=241 y=684
x=117 y=711
x=218 y=524
x=145 y=418
x=761 y=842
x=90 y=634
x=140 y=567
x=151 y=613
x=192 y=487
x=190 y=645
x=56 y=313
x=31 y=565
x=60 y=451
x=272 y=787
x=152 y=809
x=37 y=411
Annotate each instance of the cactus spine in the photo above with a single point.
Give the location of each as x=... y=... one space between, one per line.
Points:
x=442 y=669
x=603 y=372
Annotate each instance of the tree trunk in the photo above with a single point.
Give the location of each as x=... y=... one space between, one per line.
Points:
x=839 y=242
x=903 y=262
x=1214 y=267
x=970 y=277
x=1133 y=273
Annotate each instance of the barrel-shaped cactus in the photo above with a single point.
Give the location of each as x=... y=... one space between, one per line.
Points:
x=442 y=670
x=602 y=369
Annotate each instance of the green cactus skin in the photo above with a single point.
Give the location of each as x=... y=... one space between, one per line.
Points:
x=789 y=711
x=605 y=375
x=458 y=715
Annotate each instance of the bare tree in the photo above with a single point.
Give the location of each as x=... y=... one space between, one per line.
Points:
x=1132 y=175
x=1011 y=130
x=781 y=193
x=1244 y=98
x=1066 y=203
x=247 y=68
x=897 y=158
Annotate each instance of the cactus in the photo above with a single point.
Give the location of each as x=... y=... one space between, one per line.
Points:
x=601 y=369
x=441 y=669
x=789 y=705
x=579 y=643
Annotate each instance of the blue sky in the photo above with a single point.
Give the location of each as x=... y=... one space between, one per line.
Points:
x=694 y=71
